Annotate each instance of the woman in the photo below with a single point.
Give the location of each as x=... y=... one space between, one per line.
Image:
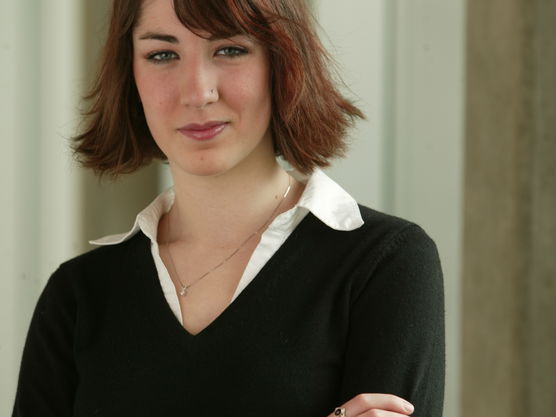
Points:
x=245 y=290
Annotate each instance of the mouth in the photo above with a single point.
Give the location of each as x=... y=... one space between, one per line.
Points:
x=203 y=132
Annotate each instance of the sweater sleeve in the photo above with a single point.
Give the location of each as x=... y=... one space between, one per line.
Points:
x=396 y=336
x=48 y=377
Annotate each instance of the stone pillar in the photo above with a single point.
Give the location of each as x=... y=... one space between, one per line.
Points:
x=509 y=313
x=542 y=293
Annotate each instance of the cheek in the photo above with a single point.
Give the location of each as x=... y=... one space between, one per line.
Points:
x=155 y=92
x=251 y=93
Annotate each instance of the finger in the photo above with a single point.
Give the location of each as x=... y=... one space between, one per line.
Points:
x=380 y=413
x=366 y=402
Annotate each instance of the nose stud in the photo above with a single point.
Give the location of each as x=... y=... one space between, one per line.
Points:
x=202 y=102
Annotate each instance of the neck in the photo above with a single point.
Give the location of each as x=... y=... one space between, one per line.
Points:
x=222 y=209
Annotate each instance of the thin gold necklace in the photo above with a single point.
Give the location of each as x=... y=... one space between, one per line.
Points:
x=185 y=288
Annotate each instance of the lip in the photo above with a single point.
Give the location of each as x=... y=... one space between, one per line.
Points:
x=204 y=131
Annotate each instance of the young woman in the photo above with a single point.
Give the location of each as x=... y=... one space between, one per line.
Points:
x=246 y=289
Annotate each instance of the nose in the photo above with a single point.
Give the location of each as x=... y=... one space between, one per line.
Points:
x=198 y=85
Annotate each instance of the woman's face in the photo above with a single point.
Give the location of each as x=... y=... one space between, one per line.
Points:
x=207 y=101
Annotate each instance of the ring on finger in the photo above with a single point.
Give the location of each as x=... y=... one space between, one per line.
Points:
x=340 y=412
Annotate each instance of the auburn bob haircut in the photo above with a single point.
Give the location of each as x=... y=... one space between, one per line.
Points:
x=309 y=115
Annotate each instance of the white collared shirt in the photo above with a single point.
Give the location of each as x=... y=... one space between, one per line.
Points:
x=325 y=199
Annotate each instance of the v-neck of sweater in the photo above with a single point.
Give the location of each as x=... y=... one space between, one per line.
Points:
x=322 y=197
x=150 y=293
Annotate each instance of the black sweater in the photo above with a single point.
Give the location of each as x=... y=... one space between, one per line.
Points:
x=332 y=314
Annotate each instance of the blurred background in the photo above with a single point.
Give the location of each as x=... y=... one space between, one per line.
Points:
x=461 y=138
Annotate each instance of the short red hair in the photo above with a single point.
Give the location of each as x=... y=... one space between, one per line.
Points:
x=310 y=116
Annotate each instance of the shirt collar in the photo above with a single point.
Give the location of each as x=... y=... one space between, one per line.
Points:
x=330 y=203
x=323 y=197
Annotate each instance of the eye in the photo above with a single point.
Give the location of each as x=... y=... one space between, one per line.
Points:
x=231 y=51
x=162 y=56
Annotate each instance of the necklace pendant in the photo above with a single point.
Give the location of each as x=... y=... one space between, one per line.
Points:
x=183 y=291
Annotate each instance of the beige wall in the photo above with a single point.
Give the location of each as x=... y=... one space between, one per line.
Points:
x=509 y=316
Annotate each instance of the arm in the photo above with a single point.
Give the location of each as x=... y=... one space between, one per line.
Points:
x=396 y=340
x=48 y=377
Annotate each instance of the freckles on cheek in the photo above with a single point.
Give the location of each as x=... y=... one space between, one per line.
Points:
x=155 y=91
x=251 y=93
x=158 y=97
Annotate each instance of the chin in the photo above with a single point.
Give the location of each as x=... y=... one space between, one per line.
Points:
x=206 y=168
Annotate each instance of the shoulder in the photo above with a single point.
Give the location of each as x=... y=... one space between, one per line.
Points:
x=379 y=235
x=94 y=270
x=405 y=258
x=397 y=238
x=382 y=242
x=108 y=255
x=393 y=232
x=377 y=222
x=386 y=252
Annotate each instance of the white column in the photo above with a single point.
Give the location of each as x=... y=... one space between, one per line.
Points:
x=39 y=213
x=62 y=84
x=405 y=61
x=10 y=142
x=355 y=37
x=424 y=179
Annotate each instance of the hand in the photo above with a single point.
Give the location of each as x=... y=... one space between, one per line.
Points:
x=376 y=405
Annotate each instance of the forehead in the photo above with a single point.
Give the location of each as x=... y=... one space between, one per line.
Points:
x=219 y=18
x=157 y=12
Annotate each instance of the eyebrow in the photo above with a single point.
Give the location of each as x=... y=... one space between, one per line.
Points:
x=159 y=37
x=172 y=39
